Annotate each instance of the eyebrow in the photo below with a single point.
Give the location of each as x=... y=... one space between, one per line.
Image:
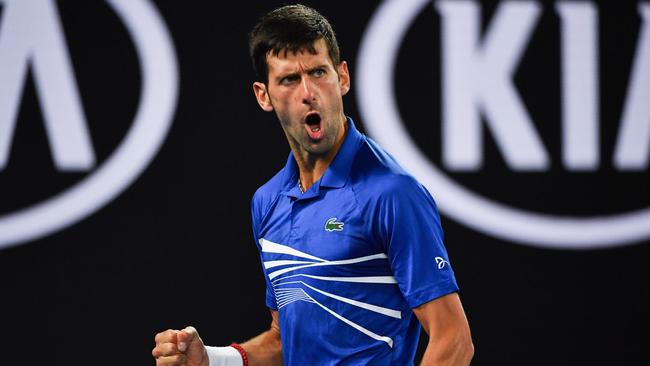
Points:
x=323 y=66
x=290 y=74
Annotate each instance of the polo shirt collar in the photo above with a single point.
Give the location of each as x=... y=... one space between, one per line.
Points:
x=339 y=170
x=336 y=174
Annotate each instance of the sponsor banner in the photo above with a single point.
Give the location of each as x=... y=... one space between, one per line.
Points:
x=32 y=42
x=576 y=157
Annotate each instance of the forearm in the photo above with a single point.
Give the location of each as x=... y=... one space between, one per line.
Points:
x=265 y=349
x=456 y=350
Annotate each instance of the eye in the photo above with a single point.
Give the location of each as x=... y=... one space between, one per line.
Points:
x=287 y=80
x=318 y=72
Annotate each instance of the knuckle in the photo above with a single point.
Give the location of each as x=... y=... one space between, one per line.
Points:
x=169 y=349
x=165 y=336
x=158 y=336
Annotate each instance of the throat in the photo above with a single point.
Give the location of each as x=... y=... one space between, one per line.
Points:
x=307 y=178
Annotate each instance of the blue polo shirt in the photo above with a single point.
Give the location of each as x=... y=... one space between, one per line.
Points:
x=346 y=261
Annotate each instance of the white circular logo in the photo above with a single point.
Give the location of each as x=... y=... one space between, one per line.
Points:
x=153 y=119
x=380 y=114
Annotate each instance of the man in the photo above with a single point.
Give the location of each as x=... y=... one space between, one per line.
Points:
x=351 y=244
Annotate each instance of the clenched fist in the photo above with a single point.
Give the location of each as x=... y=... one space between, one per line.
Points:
x=180 y=348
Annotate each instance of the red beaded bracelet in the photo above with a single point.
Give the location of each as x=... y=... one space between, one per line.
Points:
x=241 y=352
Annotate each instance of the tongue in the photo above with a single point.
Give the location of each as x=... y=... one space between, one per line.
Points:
x=314 y=131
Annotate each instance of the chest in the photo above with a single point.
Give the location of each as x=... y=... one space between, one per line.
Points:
x=332 y=226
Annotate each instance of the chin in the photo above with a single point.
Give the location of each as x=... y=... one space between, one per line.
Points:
x=319 y=149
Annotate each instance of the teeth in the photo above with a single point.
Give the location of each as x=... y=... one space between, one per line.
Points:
x=315 y=129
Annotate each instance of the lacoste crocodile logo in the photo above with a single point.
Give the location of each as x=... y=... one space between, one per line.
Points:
x=333 y=225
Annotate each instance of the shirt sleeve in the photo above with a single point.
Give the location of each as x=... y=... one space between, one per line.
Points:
x=409 y=226
x=257 y=215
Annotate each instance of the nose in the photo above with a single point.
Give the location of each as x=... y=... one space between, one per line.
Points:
x=308 y=96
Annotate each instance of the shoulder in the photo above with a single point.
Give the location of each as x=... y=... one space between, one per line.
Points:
x=390 y=198
x=378 y=176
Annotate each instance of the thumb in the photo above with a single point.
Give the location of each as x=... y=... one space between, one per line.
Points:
x=186 y=337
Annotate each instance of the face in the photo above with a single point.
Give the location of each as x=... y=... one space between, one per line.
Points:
x=305 y=91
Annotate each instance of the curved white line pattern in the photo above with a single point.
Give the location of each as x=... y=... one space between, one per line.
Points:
x=377 y=309
x=288 y=295
x=356 y=326
x=275 y=274
x=271 y=264
x=271 y=247
x=367 y=279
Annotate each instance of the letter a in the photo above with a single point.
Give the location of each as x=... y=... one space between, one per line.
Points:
x=31 y=36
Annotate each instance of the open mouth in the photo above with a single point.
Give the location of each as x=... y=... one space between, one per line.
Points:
x=313 y=124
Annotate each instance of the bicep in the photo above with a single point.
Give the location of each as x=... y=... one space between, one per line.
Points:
x=442 y=315
x=450 y=340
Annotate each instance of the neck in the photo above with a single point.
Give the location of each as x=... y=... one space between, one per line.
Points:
x=311 y=166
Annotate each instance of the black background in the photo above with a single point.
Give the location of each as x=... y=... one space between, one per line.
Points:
x=176 y=248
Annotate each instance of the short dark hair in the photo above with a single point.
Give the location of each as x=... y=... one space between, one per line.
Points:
x=291 y=28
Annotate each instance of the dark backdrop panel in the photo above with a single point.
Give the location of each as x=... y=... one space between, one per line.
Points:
x=175 y=248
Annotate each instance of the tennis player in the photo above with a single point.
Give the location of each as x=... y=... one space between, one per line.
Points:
x=351 y=244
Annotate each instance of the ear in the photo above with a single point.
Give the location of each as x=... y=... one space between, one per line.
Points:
x=344 y=77
x=262 y=95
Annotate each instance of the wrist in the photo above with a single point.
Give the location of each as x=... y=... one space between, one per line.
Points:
x=226 y=356
x=241 y=351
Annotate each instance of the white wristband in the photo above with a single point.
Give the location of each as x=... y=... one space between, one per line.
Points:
x=224 y=356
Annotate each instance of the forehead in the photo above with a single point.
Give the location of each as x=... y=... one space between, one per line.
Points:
x=287 y=61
